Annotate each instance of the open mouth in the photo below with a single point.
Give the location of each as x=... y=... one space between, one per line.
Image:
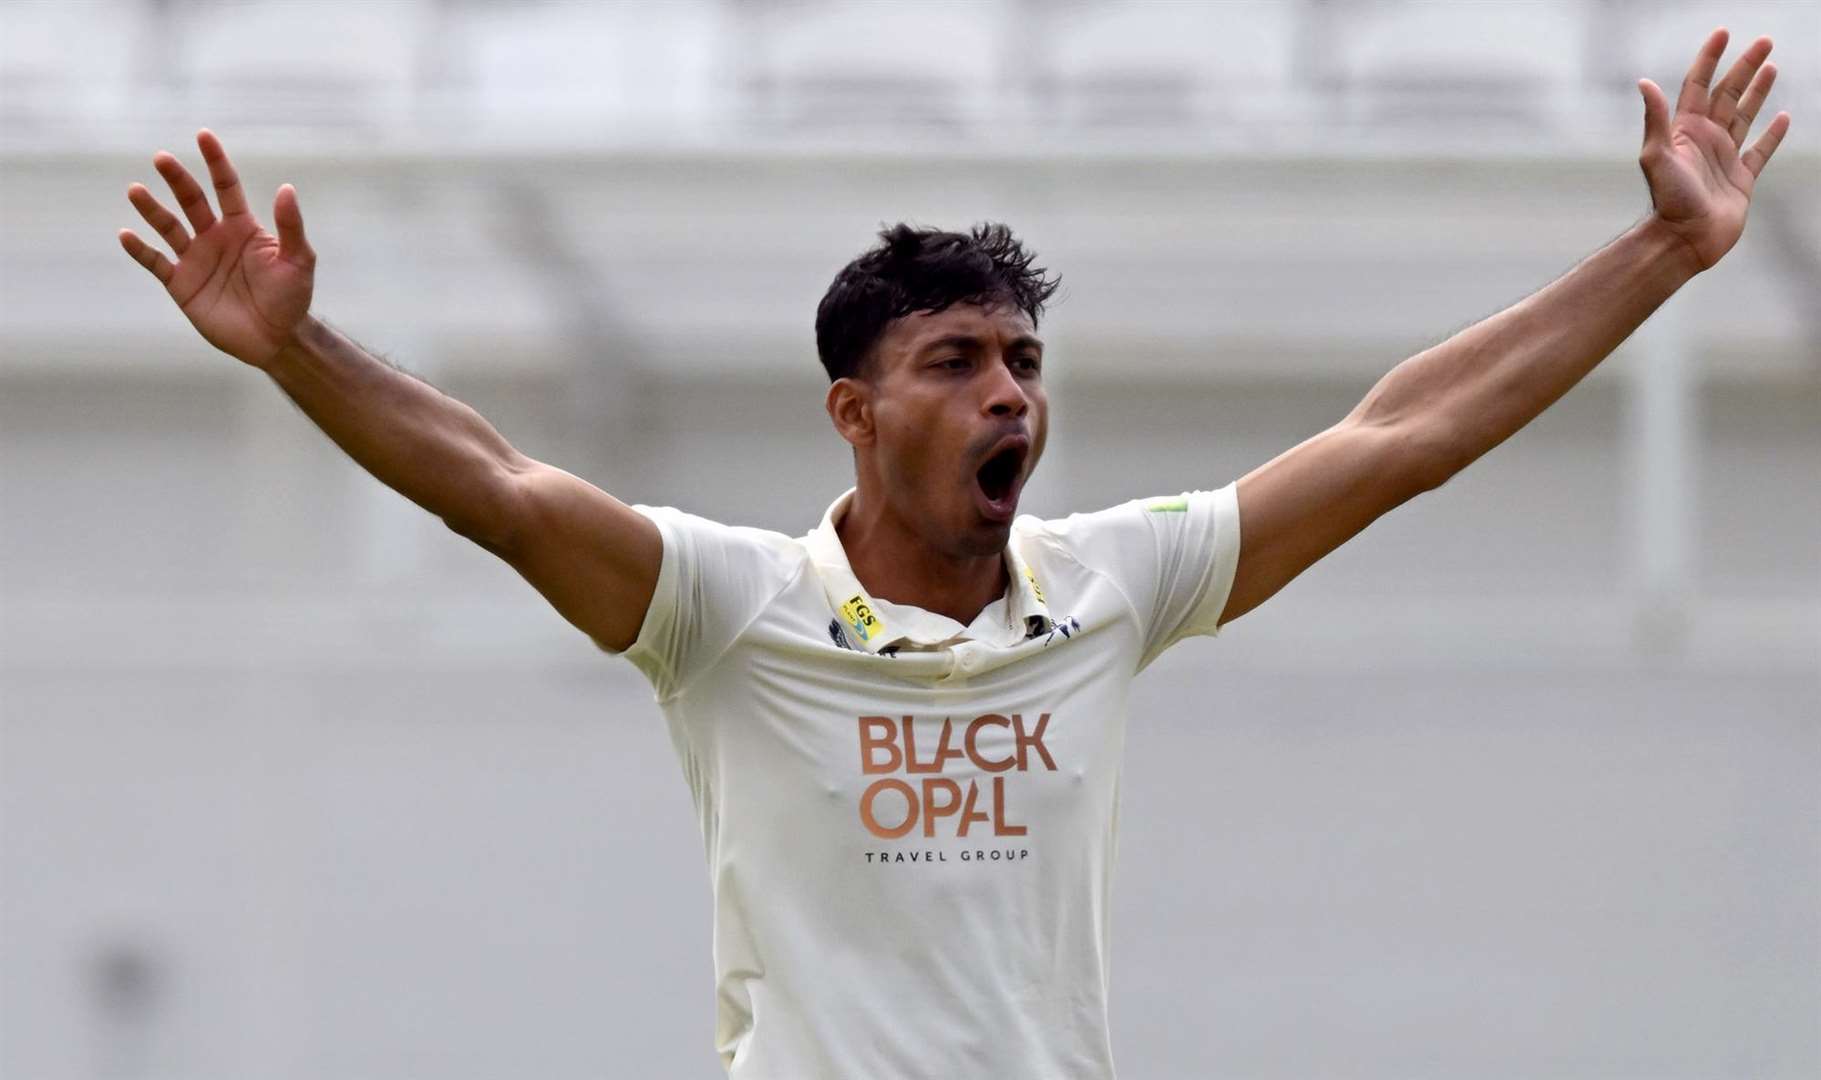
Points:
x=1001 y=476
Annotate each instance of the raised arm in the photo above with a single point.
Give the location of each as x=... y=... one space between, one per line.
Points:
x=248 y=293
x=1439 y=411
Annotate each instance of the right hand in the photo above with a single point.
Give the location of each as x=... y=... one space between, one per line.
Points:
x=245 y=290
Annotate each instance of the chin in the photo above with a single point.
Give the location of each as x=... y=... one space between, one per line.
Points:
x=989 y=537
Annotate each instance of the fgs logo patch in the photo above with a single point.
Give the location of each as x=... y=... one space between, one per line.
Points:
x=859 y=615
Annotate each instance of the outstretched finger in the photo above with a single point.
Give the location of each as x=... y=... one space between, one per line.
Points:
x=189 y=193
x=221 y=171
x=159 y=218
x=1751 y=103
x=291 y=243
x=1656 y=112
x=147 y=256
x=1760 y=152
x=1694 y=86
x=1725 y=100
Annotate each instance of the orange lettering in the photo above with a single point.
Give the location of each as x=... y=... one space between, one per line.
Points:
x=911 y=765
x=910 y=813
x=933 y=809
x=969 y=815
x=945 y=748
x=887 y=742
x=1000 y=828
x=973 y=751
x=1032 y=741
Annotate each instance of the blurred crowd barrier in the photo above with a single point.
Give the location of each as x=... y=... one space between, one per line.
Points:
x=1261 y=73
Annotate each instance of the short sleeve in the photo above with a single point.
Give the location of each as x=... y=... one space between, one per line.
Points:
x=713 y=581
x=1173 y=557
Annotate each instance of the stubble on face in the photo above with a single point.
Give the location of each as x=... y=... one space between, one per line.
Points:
x=951 y=386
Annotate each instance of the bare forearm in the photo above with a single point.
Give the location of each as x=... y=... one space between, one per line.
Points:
x=427 y=446
x=1473 y=391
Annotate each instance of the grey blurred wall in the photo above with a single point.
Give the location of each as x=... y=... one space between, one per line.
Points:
x=296 y=783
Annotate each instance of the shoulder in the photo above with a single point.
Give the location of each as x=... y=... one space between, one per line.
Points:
x=1082 y=535
x=1147 y=513
x=1083 y=544
x=699 y=538
x=1134 y=535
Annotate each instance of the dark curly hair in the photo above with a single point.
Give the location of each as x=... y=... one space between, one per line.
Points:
x=913 y=270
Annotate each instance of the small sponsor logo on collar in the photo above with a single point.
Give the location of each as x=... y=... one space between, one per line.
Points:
x=859 y=615
x=1035 y=588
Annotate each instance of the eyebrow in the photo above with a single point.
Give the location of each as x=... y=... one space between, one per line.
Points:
x=969 y=342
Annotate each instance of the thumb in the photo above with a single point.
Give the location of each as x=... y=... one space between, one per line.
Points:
x=291 y=242
x=1656 y=112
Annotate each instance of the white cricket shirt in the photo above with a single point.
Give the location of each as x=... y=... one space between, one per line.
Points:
x=911 y=825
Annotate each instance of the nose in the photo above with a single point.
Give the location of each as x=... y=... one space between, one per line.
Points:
x=1004 y=395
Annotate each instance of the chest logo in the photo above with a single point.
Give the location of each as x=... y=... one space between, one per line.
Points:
x=912 y=791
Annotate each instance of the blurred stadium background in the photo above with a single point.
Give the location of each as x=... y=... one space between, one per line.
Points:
x=297 y=784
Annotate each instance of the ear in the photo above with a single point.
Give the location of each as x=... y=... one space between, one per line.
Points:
x=850 y=406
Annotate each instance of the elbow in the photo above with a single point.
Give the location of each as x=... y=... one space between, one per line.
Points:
x=488 y=539
x=1421 y=450
x=492 y=521
x=1428 y=455
x=1435 y=470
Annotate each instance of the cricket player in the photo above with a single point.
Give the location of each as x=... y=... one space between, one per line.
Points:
x=903 y=729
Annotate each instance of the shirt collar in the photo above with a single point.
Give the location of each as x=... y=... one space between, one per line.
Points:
x=865 y=624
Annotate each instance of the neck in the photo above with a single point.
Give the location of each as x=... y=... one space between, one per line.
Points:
x=894 y=563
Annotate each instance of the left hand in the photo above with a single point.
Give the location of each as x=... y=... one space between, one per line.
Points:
x=1700 y=184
